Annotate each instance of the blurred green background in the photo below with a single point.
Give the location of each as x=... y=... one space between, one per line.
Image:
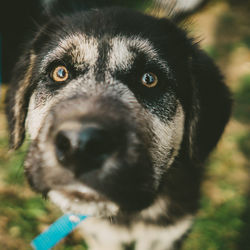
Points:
x=223 y=222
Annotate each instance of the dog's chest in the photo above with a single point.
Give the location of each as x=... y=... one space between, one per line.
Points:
x=100 y=234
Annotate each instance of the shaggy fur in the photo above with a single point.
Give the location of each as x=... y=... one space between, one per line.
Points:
x=139 y=171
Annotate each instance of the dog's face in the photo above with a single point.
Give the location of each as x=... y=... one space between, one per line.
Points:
x=109 y=98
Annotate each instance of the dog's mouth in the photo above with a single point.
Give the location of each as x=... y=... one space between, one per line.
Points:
x=81 y=199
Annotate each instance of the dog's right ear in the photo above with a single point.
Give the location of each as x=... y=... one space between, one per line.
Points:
x=17 y=99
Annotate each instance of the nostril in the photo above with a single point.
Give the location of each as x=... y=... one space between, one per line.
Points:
x=63 y=142
x=64 y=145
x=85 y=148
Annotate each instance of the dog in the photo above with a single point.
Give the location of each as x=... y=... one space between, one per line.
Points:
x=122 y=110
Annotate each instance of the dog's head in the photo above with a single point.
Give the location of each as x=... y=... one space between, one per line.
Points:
x=112 y=99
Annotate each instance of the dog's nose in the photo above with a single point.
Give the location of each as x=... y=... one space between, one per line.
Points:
x=84 y=149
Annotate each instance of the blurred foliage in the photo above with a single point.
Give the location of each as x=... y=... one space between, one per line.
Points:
x=224 y=219
x=242 y=97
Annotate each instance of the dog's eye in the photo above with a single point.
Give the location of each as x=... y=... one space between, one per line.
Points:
x=150 y=80
x=60 y=74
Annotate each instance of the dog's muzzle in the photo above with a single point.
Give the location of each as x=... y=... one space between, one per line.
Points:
x=98 y=142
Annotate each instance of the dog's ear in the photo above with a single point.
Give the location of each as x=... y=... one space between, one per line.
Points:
x=211 y=105
x=178 y=10
x=17 y=99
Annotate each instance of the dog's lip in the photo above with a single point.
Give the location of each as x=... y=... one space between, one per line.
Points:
x=78 y=196
x=92 y=204
x=81 y=193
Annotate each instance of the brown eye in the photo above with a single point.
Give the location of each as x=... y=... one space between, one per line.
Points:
x=150 y=80
x=60 y=74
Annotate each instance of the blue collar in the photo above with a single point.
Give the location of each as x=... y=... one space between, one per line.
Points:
x=57 y=231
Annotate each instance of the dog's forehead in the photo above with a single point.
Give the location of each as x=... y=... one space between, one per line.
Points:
x=79 y=47
x=118 y=51
x=125 y=49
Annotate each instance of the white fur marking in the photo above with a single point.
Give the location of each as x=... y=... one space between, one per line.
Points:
x=102 y=234
x=36 y=115
x=82 y=49
x=121 y=57
x=91 y=208
x=168 y=136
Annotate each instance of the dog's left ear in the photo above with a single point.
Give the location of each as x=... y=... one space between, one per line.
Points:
x=17 y=99
x=211 y=105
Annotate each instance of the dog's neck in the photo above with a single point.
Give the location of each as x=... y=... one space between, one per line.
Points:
x=145 y=236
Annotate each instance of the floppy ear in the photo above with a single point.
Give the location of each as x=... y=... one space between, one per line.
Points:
x=211 y=107
x=17 y=99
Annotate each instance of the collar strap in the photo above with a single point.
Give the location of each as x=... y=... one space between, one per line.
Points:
x=57 y=231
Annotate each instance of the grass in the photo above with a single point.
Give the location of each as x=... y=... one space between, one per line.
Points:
x=242 y=95
x=223 y=221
